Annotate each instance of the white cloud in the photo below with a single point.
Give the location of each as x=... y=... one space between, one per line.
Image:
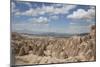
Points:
x=30 y=12
x=82 y=14
x=72 y=23
x=28 y=4
x=77 y=29
x=40 y=20
x=29 y=27
x=52 y=10
x=46 y=9
x=32 y=25
x=57 y=5
x=54 y=17
x=13 y=7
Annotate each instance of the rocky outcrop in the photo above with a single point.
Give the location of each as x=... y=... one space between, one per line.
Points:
x=55 y=50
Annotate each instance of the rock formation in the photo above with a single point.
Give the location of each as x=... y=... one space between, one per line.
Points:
x=54 y=50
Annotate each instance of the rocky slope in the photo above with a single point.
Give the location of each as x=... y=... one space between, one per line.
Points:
x=54 y=50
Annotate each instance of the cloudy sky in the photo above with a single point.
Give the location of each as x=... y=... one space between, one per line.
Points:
x=30 y=17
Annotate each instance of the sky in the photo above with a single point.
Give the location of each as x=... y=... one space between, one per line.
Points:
x=32 y=17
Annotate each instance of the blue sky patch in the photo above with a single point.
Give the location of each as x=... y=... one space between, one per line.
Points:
x=51 y=17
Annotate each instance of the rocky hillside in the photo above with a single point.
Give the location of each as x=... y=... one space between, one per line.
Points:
x=54 y=50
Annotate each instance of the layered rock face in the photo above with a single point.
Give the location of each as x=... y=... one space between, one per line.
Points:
x=55 y=50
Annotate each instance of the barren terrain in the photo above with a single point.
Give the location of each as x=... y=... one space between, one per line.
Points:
x=44 y=50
